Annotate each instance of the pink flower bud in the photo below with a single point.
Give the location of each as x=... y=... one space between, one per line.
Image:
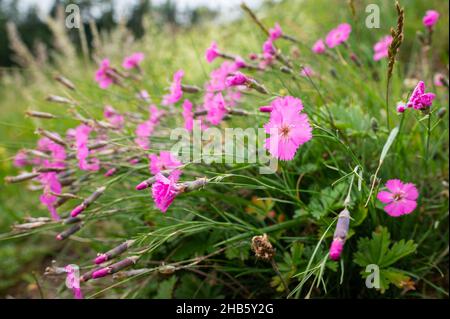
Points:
x=336 y=248
x=265 y=109
x=77 y=210
x=236 y=79
x=101 y=259
x=101 y=273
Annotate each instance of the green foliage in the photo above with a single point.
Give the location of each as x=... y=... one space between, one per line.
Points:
x=380 y=251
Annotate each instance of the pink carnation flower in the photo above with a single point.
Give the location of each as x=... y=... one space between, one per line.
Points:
x=51 y=185
x=236 y=79
x=212 y=52
x=269 y=49
x=73 y=281
x=103 y=74
x=165 y=161
x=288 y=128
x=216 y=108
x=81 y=142
x=164 y=191
x=175 y=89
x=145 y=130
x=401 y=198
x=188 y=115
x=319 y=47
x=276 y=32
x=420 y=100
x=430 y=18
x=381 y=48
x=338 y=35
x=21 y=159
x=133 y=60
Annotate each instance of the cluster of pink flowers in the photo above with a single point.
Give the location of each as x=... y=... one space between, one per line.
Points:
x=381 y=48
x=288 y=128
x=107 y=75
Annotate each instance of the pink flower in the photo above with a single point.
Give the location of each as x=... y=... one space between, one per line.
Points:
x=430 y=18
x=165 y=161
x=21 y=159
x=319 y=47
x=381 y=48
x=164 y=191
x=133 y=60
x=212 y=52
x=73 y=281
x=337 y=246
x=216 y=108
x=103 y=74
x=239 y=62
x=288 y=128
x=236 y=79
x=338 y=35
x=110 y=172
x=438 y=79
x=307 y=72
x=401 y=107
x=51 y=185
x=401 y=198
x=145 y=130
x=175 y=89
x=420 y=100
x=269 y=49
x=81 y=142
x=188 y=115
x=276 y=32
x=114 y=118
x=218 y=77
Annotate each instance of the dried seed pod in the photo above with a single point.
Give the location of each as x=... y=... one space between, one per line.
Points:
x=64 y=81
x=190 y=88
x=60 y=100
x=52 y=136
x=20 y=178
x=42 y=115
x=262 y=247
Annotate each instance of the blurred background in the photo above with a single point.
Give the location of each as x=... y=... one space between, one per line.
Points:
x=30 y=17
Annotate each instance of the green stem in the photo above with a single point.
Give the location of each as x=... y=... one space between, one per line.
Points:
x=428 y=138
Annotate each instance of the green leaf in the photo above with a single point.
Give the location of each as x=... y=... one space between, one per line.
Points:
x=388 y=143
x=379 y=251
x=165 y=288
x=326 y=201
